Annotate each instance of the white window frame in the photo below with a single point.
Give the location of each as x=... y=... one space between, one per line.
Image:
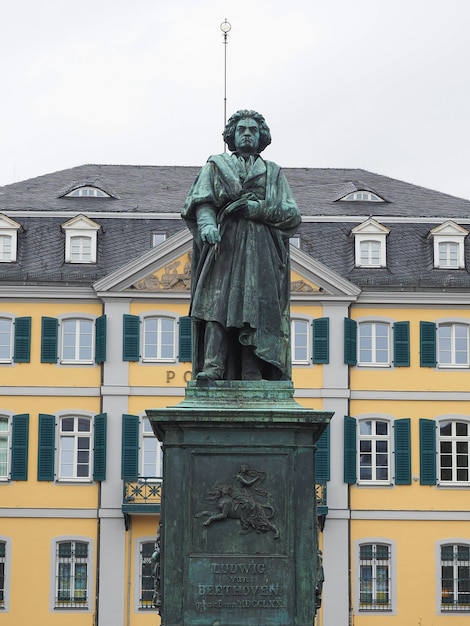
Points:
x=77 y=459
x=368 y=233
x=454 y=609
x=301 y=354
x=87 y=191
x=361 y=195
x=391 y=609
x=5 y=436
x=149 y=447
x=374 y=449
x=158 y=238
x=138 y=543
x=79 y=334
x=456 y=452
x=453 y=346
x=55 y=607
x=82 y=227
x=449 y=233
x=375 y=338
x=9 y=229
x=5 y=605
x=157 y=357
x=8 y=356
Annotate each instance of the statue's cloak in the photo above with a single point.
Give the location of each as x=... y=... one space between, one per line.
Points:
x=244 y=283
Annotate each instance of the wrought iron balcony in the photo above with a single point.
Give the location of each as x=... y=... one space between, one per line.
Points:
x=142 y=495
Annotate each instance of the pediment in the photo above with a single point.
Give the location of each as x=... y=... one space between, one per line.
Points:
x=80 y=222
x=448 y=229
x=6 y=223
x=370 y=227
x=167 y=269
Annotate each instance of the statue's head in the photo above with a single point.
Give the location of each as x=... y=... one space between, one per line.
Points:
x=238 y=119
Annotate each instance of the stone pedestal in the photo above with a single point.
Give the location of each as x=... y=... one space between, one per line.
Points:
x=239 y=532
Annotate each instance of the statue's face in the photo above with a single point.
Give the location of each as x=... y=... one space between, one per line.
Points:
x=247 y=136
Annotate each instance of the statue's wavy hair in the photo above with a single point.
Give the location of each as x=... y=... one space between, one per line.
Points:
x=229 y=131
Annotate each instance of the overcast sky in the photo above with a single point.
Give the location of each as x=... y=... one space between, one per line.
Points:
x=381 y=85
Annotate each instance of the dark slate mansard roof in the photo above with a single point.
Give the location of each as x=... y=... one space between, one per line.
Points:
x=146 y=194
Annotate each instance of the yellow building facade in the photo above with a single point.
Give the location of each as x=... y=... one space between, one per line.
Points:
x=94 y=331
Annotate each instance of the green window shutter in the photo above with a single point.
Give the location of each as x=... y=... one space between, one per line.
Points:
x=427 y=339
x=427 y=452
x=350 y=341
x=349 y=449
x=99 y=457
x=50 y=327
x=19 y=447
x=322 y=457
x=130 y=447
x=131 y=338
x=185 y=340
x=100 y=339
x=46 y=445
x=321 y=340
x=401 y=344
x=402 y=432
x=22 y=349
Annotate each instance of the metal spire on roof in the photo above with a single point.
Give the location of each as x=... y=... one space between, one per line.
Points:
x=225 y=27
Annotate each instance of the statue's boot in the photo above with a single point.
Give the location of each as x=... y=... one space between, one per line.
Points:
x=252 y=366
x=215 y=352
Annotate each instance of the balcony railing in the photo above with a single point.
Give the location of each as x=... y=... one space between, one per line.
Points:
x=142 y=495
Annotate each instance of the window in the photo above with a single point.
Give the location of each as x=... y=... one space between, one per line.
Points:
x=6 y=340
x=370 y=244
x=368 y=450
x=448 y=254
x=71 y=575
x=374 y=451
x=455 y=577
x=375 y=577
x=82 y=340
x=80 y=240
x=147 y=578
x=374 y=343
x=87 y=191
x=159 y=339
x=452 y=344
x=81 y=447
x=448 y=242
x=454 y=437
x=9 y=230
x=151 y=452
x=2 y=573
x=364 y=196
x=80 y=249
x=158 y=238
x=370 y=253
x=77 y=341
x=6 y=248
x=75 y=448
x=4 y=447
x=300 y=341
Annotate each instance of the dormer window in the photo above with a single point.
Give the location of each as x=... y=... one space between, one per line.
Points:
x=87 y=191
x=370 y=244
x=449 y=246
x=362 y=196
x=8 y=239
x=80 y=240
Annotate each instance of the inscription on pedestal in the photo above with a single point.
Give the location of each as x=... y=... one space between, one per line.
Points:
x=229 y=586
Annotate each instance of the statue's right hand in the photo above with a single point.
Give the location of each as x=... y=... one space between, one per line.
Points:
x=210 y=234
